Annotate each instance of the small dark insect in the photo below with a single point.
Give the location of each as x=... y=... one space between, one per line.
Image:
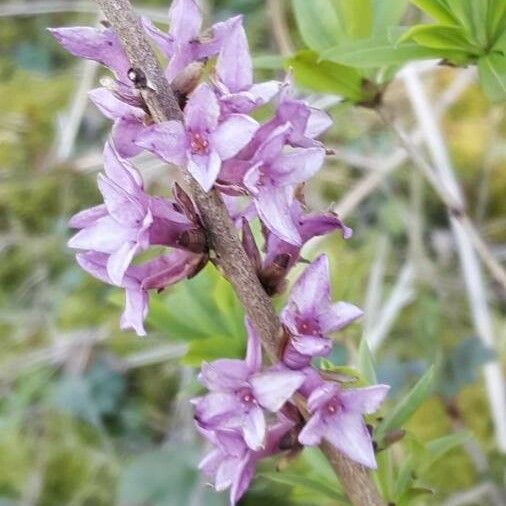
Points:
x=137 y=77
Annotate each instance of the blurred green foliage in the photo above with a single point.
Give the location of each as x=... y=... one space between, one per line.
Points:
x=90 y=416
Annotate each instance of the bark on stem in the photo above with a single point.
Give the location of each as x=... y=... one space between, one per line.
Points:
x=232 y=258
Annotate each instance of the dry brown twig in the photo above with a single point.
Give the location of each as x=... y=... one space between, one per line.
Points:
x=231 y=257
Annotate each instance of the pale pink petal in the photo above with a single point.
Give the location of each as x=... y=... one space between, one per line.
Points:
x=167 y=140
x=88 y=217
x=254 y=349
x=347 y=433
x=253 y=428
x=185 y=20
x=312 y=346
x=338 y=316
x=163 y=40
x=217 y=408
x=124 y=134
x=364 y=400
x=321 y=395
x=318 y=122
x=205 y=169
x=244 y=475
x=95 y=264
x=120 y=171
x=297 y=166
x=120 y=260
x=312 y=433
x=233 y=134
x=273 y=388
x=224 y=374
x=136 y=309
x=202 y=110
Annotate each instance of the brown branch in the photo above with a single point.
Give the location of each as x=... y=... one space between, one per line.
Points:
x=232 y=258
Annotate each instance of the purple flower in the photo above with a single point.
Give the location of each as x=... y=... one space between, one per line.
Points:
x=138 y=279
x=183 y=45
x=128 y=120
x=232 y=463
x=98 y=44
x=130 y=220
x=336 y=416
x=310 y=316
x=234 y=71
x=239 y=392
x=272 y=178
x=203 y=141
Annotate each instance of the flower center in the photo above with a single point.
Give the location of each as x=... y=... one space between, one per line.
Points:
x=333 y=406
x=308 y=326
x=247 y=397
x=198 y=144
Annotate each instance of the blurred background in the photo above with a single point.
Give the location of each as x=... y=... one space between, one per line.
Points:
x=90 y=415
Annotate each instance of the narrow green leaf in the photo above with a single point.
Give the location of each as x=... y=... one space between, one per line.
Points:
x=500 y=44
x=399 y=415
x=356 y=18
x=438 y=448
x=318 y=23
x=314 y=485
x=388 y=14
x=378 y=52
x=366 y=362
x=496 y=20
x=325 y=76
x=437 y=9
x=492 y=71
x=472 y=16
x=444 y=37
x=213 y=348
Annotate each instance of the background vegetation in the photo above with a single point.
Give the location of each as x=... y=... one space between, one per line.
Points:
x=93 y=416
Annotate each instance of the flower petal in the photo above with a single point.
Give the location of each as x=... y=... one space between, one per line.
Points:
x=120 y=171
x=273 y=206
x=321 y=395
x=205 y=169
x=234 y=67
x=338 y=316
x=217 y=408
x=347 y=432
x=243 y=477
x=233 y=134
x=120 y=260
x=163 y=40
x=253 y=428
x=224 y=374
x=254 y=350
x=88 y=217
x=124 y=134
x=298 y=166
x=312 y=346
x=364 y=400
x=202 y=110
x=312 y=433
x=318 y=121
x=136 y=309
x=167 y=140
x=185 y=20
x=273 y=388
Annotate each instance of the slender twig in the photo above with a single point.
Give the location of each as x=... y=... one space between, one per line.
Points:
x=276 y=11
x=223 y=237
x=468 y=241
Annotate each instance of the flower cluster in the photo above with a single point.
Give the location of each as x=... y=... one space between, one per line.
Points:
x=259 y=170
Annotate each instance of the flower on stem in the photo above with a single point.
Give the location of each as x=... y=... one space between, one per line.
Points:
x=240 y=391
x=129 y=222
x=203 y=141
x=232 y=463
x=183 y=44
x=337 y=417
x=99 y=44
x=234 y=73
x=310 y=316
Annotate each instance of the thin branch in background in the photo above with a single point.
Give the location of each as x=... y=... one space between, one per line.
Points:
x=276 y=11
x=402 y=294
x=462 y=228
x=476 y=495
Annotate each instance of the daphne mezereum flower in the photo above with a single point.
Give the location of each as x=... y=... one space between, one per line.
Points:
x=272 y=178
x=158 y=274
x=310 y=316
x=337 y=416
x=234 y=72
x=203 y=142
x=240 y=391
x=99 y=44
x=232 y=463
x=130 y=221
x=128 y=120
x=184 y=44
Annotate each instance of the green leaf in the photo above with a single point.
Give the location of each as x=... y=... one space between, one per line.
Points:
x=388 y=14
x=213 y=348
x=366 y=363
x=500 y=44
x=496 y=20
x=492 y=71
x=318 y=23
x=437 y=9
x=326 y=77
x=438 y=448
x=268 y=61
x=444 y=37
x=401 y=413
x=314 y=485
x=378 y=52
x=356 y=17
